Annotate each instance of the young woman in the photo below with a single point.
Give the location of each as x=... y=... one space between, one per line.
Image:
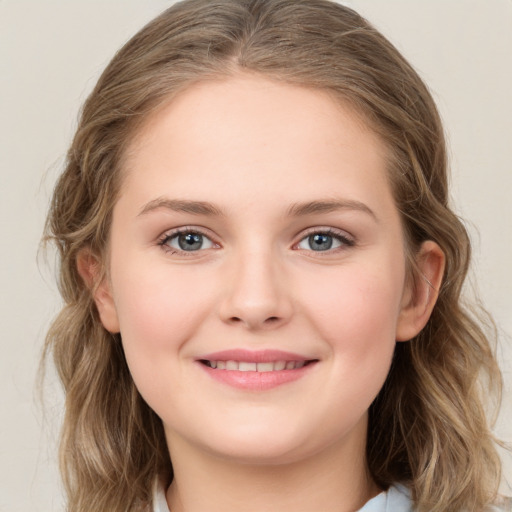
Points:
x=262 y=277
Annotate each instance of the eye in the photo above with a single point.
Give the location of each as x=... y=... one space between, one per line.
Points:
x=321 y=241
x=186 y=241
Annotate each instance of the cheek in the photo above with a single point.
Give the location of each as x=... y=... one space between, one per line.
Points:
x=158 y=312
x=356 y=313
x=151 y=301
x=357 y=305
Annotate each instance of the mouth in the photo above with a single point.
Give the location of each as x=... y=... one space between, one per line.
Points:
x=254 y=366
x=256 y=371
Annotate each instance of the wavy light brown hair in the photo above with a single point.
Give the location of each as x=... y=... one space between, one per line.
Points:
x=428 y=426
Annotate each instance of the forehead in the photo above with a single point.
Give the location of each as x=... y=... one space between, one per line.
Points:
x=248 y=133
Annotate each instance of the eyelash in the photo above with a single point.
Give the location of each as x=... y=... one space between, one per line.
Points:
x=167 y=237
x=346 y=241
x=344 y=238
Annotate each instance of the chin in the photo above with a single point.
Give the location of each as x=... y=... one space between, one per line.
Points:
x=259 y=454
x=265 y=446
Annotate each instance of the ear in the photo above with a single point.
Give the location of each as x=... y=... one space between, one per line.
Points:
x=91 y=271
x=420 y=294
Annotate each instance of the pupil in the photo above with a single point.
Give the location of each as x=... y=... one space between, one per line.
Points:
x=190 y=241
x=320 y=242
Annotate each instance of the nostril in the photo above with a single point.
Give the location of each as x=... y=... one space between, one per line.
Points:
x=254 y=323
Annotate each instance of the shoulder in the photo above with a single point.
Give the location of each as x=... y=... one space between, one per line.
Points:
x=398 y=499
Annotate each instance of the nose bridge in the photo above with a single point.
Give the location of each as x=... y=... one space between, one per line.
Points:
x=257 y=295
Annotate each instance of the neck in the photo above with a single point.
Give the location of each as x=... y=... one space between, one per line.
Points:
x=333 y=480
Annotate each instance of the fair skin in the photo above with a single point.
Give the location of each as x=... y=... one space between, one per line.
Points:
x=299 y=249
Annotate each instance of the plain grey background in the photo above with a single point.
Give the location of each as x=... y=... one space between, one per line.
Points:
x=52 y=52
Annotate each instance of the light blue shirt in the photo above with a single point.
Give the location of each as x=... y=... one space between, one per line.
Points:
x=396 y=499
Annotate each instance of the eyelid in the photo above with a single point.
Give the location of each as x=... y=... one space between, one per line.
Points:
x=346 y=239
x=171 y=233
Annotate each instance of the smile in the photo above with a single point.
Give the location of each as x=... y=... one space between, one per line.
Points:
x=256 y=371
x=248 y=366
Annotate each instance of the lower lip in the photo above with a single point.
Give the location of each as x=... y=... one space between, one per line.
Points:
x=257 y=381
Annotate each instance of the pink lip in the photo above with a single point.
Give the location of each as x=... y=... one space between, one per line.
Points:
x=258 y=356
x=255 y=381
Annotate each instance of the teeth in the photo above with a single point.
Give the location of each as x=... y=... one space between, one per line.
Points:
x=231 y=365
x=243 y=366
x=279 y=365
x=246 y=367
x=265 y=367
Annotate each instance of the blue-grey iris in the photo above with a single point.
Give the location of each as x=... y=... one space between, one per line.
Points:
x=320 y=242
x=190 y=241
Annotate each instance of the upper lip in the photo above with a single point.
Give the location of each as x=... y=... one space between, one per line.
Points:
x=256 y=356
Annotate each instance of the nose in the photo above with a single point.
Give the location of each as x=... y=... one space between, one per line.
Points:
x=257 y=295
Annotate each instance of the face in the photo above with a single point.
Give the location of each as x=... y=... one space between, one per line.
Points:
x=257 y=270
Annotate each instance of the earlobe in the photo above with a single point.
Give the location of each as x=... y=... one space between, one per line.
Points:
x=91 y=271
x=421 y=295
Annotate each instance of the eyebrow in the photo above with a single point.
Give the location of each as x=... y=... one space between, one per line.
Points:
x=182 y=205
x=295 y=210
x=328 y=206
